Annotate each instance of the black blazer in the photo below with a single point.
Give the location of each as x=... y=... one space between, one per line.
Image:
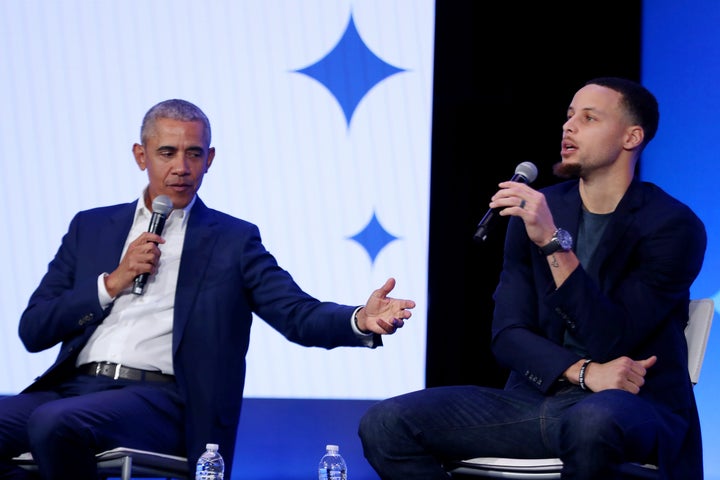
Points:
x=631 y=300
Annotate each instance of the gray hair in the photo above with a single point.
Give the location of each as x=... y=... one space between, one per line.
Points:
x=174 y=109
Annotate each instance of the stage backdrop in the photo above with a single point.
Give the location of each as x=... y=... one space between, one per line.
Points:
x=321 y=113
x=680 y=64
x=321 y=119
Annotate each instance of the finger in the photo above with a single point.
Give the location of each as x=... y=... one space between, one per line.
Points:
x=387 y=287
x=636 y=380
x=149 y=237
x=386 y=327
x=402 y=313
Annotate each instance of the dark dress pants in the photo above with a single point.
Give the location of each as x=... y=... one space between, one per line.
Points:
x=64 y=428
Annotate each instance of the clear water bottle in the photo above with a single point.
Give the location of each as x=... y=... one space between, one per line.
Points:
x=332 y=465
x=210 y=465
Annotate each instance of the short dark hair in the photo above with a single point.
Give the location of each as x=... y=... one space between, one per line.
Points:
x=174 y=109
x=640 y=103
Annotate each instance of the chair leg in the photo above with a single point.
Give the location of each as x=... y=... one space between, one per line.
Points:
x=127 y=468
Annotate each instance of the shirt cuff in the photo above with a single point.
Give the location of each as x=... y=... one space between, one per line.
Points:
x=103 y=295
x=367 y=338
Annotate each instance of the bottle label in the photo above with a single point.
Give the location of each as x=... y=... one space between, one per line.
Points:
x=209 y=471
x=209 y=476
x=328 y=474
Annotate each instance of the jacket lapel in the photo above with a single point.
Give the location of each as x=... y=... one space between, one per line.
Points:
x=114 y=231
x=199 y=244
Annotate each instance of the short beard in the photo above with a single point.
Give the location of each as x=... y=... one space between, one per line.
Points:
x=567 y=170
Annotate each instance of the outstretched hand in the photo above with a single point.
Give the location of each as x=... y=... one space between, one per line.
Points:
x=383 y=314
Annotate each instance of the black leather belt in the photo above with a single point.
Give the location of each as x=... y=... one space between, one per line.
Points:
x=117 y=371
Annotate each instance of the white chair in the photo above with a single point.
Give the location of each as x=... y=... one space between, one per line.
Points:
x=697 y=333
x=128 y=463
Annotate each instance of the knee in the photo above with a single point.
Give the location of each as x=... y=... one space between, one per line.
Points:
x=47 y=423
x=589 y=424
x=379 y=421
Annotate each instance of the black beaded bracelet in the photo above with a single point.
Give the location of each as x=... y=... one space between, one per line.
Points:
x=581 y=377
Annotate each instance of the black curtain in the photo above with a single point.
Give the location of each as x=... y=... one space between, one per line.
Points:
x=503 y=78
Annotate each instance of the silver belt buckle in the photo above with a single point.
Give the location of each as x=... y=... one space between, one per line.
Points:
x=117 y=371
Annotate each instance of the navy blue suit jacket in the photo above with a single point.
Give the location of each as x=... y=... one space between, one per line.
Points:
x=632 y=299
x=225 y=275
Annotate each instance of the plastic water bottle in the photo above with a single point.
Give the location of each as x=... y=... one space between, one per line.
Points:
x=332 y=465
x=210 y=465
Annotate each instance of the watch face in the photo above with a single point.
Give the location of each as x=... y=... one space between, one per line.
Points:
x=564 y=239
x=561 y=240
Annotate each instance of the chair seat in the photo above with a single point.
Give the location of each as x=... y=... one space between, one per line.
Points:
x=517 y=468
x=532 y=468
x=128 y=463
x=144 y=463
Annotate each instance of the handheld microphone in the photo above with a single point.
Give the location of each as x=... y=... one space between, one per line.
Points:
x=526 y=172
x=162 y=206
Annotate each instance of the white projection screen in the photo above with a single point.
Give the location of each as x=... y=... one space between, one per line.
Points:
x=321 y=115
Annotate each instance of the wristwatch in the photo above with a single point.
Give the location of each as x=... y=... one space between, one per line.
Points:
x=561 y=240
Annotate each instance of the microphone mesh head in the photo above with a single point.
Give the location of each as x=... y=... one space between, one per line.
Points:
x=527 y=170
x=162 y=205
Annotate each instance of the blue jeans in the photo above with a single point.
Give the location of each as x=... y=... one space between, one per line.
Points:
x=412 y=435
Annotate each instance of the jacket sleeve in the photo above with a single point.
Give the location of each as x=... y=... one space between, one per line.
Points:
x=66 y=302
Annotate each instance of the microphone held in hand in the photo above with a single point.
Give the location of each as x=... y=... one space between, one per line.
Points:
x=162 y=206
x=526 y=172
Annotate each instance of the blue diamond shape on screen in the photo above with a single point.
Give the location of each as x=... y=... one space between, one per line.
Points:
x=350 y=70
x=373 y=238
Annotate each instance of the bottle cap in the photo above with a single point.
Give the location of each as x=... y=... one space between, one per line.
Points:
x=212 y=446
x=332 y=448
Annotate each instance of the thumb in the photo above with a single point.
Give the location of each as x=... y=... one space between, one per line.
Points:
x=386 y=288
x=648 y=362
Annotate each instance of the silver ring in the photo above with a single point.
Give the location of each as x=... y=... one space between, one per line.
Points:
x=522 y=203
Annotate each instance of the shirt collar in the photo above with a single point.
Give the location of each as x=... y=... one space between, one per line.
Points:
x=141 y=211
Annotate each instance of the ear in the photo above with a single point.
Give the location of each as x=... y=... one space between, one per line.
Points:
x=634 y=137
x=139 y=154
x=211 y=156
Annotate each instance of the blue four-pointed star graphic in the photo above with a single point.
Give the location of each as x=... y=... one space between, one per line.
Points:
x=349 y=71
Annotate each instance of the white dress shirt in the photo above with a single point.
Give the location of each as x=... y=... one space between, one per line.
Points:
x=138 y=331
